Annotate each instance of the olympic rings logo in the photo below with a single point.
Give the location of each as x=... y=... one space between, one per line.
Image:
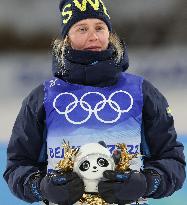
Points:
x=98 y=107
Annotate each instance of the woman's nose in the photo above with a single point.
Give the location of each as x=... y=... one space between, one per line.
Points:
x=93 y=36
x=94 y=167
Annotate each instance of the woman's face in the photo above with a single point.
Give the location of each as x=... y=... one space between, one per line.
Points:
x=89 y=34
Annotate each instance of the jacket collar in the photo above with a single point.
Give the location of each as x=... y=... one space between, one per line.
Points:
x=91 y=68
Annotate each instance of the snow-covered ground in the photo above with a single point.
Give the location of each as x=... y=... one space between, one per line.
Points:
x=166 y=68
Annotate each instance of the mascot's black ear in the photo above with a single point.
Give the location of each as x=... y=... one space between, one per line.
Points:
x=102 y=143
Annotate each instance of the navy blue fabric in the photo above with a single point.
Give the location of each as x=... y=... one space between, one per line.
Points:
x=115 y=190
x=91 y=68
x=165 y=152
x=70 y=14
x=61 y=189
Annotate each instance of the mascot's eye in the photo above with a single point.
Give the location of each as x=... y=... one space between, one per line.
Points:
x=84 y=166
x=102 y=162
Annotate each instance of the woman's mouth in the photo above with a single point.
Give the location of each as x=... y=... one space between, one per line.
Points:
x=93 y=48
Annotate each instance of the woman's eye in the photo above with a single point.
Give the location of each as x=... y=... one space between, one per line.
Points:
x=99 y=28
x=82 y=29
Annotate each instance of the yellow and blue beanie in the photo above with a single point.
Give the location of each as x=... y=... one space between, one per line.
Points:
x=73 y=11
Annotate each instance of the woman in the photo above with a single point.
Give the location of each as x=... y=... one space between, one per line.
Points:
x=91 y=98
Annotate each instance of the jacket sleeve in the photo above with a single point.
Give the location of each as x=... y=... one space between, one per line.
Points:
x=164 y=153
x=25 y=144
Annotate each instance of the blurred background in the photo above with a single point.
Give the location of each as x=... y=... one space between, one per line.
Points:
x=154 y=30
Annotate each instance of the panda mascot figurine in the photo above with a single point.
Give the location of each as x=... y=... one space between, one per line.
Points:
x=90 y=162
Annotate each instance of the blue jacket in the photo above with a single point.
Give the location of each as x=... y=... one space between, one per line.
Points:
x=26 y=153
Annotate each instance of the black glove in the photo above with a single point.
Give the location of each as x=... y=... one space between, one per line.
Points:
x=127 y=187
x=62 y=189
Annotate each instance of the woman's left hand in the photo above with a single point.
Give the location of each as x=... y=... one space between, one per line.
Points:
x=122 y=187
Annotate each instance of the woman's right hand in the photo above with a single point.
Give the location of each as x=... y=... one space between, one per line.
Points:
x=61 y=189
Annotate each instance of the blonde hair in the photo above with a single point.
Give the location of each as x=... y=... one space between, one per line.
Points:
x=59 y=46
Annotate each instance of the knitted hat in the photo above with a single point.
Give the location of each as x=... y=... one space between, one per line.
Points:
x=73 y=11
